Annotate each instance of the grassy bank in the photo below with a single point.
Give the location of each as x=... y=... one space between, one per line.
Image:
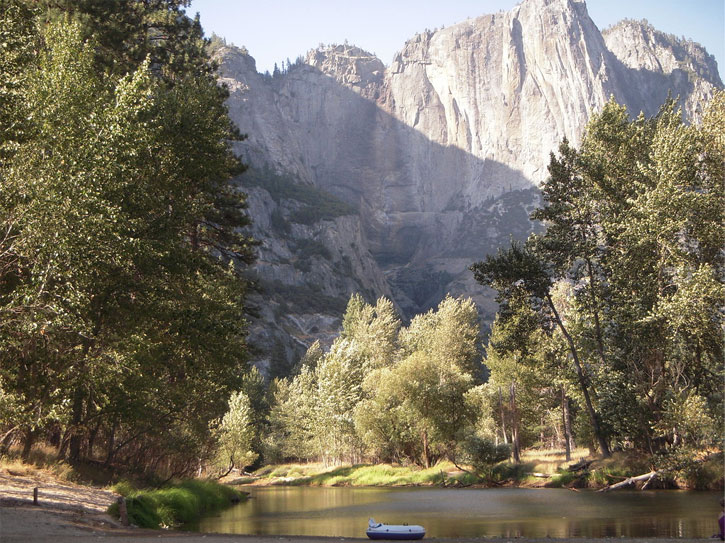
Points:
x=548 y=469
x=43 y=461
x=170 y=505
x=362 y=475
x=175 y=504
x=444 y=473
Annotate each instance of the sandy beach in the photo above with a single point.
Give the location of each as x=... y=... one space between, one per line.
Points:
x=69 y=513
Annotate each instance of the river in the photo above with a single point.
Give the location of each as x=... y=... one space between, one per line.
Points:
x=507 y=512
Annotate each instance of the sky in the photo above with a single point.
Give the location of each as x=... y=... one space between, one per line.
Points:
x=276 y=30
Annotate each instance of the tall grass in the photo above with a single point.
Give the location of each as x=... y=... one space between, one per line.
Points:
x=175 y=505
x=43 y=459
x=367 y=475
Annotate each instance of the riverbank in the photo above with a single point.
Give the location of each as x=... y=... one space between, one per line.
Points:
x=70 y=513
x=63 y=509
x=22 y=524
x=31 y=500
x=537 y=469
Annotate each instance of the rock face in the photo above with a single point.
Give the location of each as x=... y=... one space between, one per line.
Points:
x=440 y=154
x=658 y=63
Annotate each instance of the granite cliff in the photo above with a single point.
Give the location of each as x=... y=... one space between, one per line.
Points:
x=429 y=163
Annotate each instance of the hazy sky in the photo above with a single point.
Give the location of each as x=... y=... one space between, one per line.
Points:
x=274 y=30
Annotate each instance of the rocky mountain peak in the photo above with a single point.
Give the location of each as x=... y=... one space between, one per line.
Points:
x=655 y=63
x=349 y=65
x=436 y=158
x=638 y=45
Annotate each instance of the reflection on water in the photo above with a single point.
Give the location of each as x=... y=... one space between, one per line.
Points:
x=343 y=512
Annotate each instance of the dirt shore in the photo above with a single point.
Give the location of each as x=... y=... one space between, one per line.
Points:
x=70 y=513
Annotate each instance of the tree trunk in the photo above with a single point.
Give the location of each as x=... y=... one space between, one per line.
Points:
x=6 y=439
x=516 y=449
x=542 y=432
x=111 y=445
x=595 y=314
x=63 y=448
x=604 y=448
x=92 y=439
x=503 y=418
x=566 y=415
x=30 y=436
x=630 y=481
x=426 y=452
x=76 y=437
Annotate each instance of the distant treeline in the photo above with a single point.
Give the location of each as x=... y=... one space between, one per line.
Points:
x=609 y=332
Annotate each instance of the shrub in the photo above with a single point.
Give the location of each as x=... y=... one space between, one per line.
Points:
x=483 y=454
x=124 y=488
x=563 y=478
x=178 y=504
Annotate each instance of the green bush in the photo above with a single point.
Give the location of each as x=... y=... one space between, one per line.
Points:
x=177 y=504
x=483 y=454
x=124 y=488
x=465 y=479
x=509 y=471
x=562 y=478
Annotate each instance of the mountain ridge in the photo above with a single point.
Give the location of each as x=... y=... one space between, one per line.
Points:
x=442 y=151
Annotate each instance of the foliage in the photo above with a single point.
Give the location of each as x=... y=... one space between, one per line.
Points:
x=516 y=359
x=483 y=454
x=522 y=277
x=178 y=504
x=628 y=274
x=124 y=488
x=121 y=259
x=17 y=34
x=316 y=204
x=382 y=389
x=235 y=434
x=562 y=479
x=129 y=31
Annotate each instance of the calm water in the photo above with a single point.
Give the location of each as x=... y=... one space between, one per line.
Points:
x=344 y=512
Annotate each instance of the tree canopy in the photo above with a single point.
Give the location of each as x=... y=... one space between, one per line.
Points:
x=123 y=251
x=634 y=229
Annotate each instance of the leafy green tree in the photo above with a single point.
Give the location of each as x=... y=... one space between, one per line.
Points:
x=339 y=376
x=687 y=418
x=514 y=357
x=293 y=418
x=483 y=454
x=122 y=279
x=634 y=228
x=235 y=435
x=439 y=356
x=381 y=422
x=662 y=241
x=519 y=270
x=19 y=39
x=127 y=32
x=374 y=329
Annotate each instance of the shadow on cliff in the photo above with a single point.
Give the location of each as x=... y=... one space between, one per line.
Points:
x=428 y=210
x=645 y=90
